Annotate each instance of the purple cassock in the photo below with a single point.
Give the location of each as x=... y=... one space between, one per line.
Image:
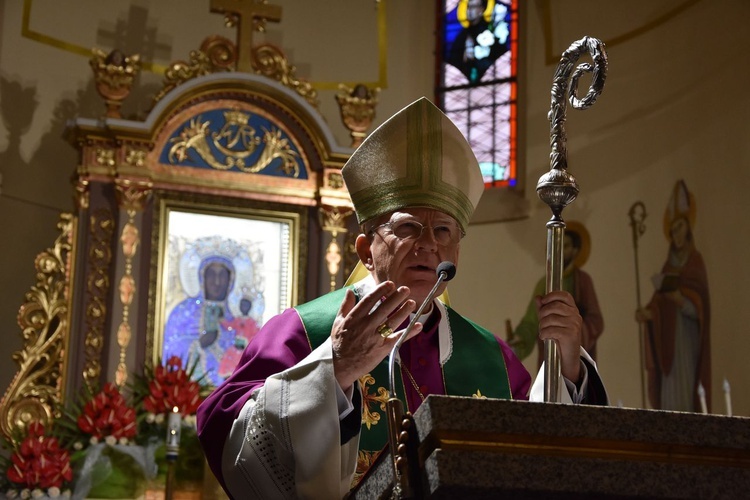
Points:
x=282 y=343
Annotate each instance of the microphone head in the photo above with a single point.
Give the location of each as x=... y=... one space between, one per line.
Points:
x=448 y=268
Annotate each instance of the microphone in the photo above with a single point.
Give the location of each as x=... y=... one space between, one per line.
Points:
x=448 y=268
x=401 y=426
x=445 y=271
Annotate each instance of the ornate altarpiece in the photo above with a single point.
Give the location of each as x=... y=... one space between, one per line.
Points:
x=233 y=136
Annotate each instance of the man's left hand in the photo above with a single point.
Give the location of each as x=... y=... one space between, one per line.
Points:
x=560 y=320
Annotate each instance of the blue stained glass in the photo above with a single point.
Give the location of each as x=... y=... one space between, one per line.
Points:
x=477 y=65
x=476 y=37
x=493 y=172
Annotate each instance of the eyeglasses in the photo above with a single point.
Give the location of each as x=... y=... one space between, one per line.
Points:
x=444 y=234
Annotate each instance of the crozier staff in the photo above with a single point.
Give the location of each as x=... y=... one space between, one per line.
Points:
x=301 y=412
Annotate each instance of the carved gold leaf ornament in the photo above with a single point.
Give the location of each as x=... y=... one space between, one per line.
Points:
x=333 y=260
x=335 y=180
x=102 y=228
x=333 y=219
x=105 y=157
x=270 y=61
x=130 y=238
x=36 y=390
x=124 y=335
x=193 y=136
x=216 y=54
x=333 y=257
x=277 y=147
x=127 y=289
x=369 y=417
x=236 y=130
x=236 y=140
x=81 y=195
x=135 y=157
x=132 y=194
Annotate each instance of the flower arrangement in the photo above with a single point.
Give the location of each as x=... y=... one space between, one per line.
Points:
x=158 y=392
x=107 y=416
x=38 y=466
x=110 y=443
x=169 y=386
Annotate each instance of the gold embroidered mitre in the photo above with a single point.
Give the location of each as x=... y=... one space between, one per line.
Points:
x=417 y=158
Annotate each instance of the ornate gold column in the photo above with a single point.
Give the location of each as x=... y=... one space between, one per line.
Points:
x=333 y=221
x=131 y=198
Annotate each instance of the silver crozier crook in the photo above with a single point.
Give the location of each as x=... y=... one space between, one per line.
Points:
x=557 y=188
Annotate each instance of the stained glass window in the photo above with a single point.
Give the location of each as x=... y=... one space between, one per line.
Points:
x=477 y=80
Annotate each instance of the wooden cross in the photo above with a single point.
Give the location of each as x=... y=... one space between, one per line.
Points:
x=247 y=12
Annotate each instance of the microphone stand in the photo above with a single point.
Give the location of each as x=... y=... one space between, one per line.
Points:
x=401 y=424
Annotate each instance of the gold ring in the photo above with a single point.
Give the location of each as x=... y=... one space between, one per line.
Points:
x=384 y=330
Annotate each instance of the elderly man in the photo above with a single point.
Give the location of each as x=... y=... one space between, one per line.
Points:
x=302 y=409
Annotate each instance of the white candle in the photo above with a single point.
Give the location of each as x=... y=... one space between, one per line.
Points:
x=727 y=398
x=702 y=397
x=174 y=425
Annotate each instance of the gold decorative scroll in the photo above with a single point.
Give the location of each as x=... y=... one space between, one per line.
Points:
x=132 y=194
x=105 y=157
x=235 y=132
x=270 y=61
x=216 y=54
x=81 y=194
x=102 y=228
x=335 y=180
x=333 y=219
x=36 y=390
x=135 y=157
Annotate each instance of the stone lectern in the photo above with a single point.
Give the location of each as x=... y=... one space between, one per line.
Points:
x=487 y=448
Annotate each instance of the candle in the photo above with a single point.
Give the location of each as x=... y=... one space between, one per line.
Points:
x=174 y=425
x=702 y=396
x=727 y=398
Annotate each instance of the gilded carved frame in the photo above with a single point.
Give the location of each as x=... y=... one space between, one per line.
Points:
x=266 y=251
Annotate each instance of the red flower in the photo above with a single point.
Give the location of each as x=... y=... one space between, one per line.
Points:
x=171 y=386
x=107 y=414
x=39 y=462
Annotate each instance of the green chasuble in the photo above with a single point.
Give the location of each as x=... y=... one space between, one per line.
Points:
x=476 y=367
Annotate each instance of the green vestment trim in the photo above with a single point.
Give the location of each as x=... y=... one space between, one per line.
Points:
x=476 y=366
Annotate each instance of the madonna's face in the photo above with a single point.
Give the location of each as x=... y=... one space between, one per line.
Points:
x=216 y=281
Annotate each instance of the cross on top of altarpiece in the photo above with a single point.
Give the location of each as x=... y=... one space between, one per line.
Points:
x=251 y=15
